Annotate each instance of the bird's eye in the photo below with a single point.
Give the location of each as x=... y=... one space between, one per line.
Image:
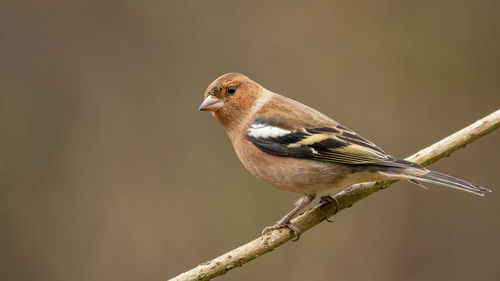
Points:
x=231 y=90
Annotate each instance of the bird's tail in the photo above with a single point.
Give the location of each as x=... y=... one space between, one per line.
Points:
x=415 y=173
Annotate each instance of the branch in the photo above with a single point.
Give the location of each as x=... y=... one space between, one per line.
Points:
x=345 y=199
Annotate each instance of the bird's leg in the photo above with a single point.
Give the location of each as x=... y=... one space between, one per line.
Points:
x=330 y=200
x=285 y=221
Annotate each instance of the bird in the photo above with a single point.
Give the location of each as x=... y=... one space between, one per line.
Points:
x=296 y=148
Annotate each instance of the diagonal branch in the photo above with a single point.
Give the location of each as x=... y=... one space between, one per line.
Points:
x=345 y=199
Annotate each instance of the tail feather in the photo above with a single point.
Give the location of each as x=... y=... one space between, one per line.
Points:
x=420 y=174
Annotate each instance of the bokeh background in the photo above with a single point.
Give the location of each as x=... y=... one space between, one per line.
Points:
x=108 y=171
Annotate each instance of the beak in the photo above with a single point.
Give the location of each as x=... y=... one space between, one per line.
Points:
x=211 y=103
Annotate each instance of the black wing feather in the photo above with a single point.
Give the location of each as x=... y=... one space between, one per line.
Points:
x=335 y=144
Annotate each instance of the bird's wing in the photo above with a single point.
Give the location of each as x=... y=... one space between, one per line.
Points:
x=333 y=143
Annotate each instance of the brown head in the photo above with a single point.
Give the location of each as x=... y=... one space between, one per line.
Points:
x=230 y=97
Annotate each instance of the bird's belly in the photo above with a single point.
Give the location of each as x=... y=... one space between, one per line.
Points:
x=294 y=174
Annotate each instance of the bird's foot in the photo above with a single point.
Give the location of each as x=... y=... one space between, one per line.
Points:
x=286 y=220
x=280 y=224
x=330 y=200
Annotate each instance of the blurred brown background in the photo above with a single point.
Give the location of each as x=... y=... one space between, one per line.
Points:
x=108 y=171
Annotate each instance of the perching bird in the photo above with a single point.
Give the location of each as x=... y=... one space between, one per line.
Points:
x=296 y=148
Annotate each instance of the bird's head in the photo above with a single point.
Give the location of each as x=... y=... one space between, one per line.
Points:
x=230 y=97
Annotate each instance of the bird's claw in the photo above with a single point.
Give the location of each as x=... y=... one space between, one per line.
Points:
x=278 y=225
x=330 y=200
